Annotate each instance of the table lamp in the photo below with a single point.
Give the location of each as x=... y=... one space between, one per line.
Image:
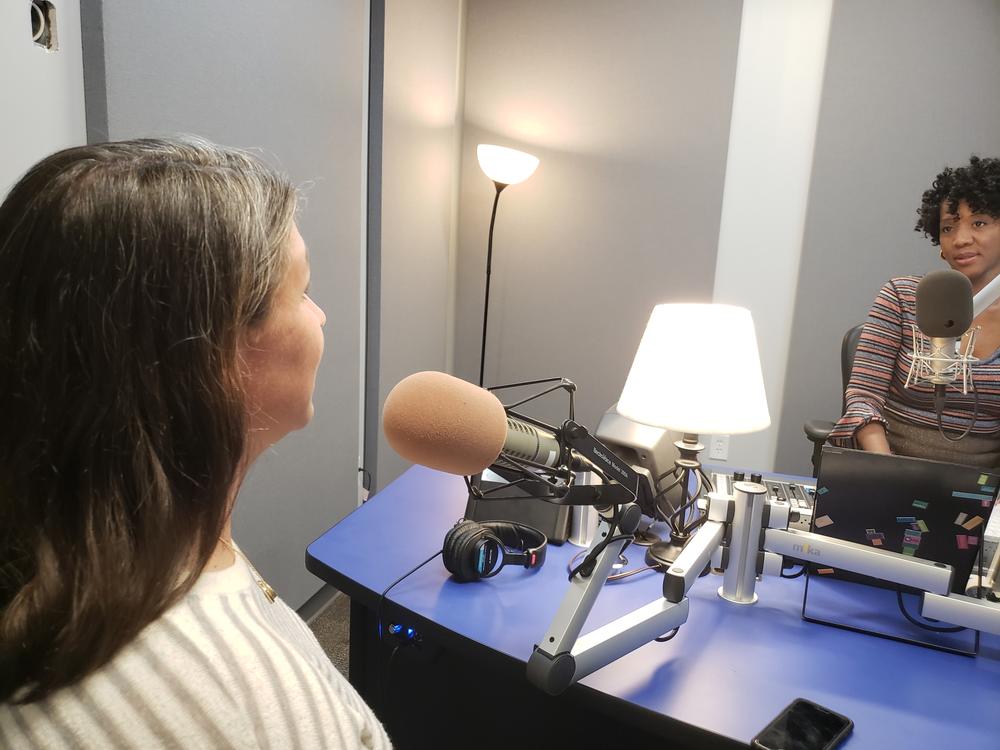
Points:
x=505 y=166
x=696 y=371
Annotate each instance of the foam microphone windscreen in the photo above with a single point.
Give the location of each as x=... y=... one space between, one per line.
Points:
x=944 y=304
x=448 y=424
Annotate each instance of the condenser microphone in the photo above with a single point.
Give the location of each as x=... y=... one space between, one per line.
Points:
x=944 y=314
x=944 y=304
x=445 y=423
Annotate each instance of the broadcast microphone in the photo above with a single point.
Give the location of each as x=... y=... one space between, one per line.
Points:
x=445 y=423
x=944 y=314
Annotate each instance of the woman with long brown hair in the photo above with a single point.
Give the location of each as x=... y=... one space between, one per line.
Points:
x=156 y=335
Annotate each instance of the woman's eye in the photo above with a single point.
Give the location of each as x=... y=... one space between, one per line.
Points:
x=945 y=230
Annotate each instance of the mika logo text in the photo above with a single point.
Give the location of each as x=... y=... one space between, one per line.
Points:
x=805 y=549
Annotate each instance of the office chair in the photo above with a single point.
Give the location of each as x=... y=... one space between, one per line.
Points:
x=818 y=430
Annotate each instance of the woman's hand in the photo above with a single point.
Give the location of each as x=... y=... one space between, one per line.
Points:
x=872 y=438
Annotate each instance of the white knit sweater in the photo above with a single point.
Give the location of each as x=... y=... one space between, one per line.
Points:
x=224 y=668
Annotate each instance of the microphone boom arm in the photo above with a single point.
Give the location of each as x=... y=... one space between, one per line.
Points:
x=745 y=536
x=579 y=451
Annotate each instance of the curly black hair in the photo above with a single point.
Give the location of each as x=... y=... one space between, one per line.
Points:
x=978 y=184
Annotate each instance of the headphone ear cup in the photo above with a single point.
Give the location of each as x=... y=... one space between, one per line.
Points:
x=457 y=558
x=448 y=547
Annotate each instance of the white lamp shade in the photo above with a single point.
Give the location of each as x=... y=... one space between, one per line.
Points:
x=697 y=370
x=505 y=165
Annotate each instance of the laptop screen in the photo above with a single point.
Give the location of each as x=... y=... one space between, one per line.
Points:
x=929 y=509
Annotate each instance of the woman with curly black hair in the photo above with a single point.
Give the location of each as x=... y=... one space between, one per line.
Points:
x=961 y=213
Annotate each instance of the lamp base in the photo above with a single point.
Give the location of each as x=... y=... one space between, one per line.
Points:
x=646 y=537
x=665 y=553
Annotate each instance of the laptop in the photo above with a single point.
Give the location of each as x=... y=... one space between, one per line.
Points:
x=931 y=510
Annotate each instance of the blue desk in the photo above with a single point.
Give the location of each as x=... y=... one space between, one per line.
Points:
x=729 y=670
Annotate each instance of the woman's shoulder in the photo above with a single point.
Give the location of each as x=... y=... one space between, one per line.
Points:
x=903 y=285
x=896 y=297
x=899 y=292
x=225 y=669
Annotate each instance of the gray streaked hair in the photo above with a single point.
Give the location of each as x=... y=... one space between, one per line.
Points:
x=128 y=273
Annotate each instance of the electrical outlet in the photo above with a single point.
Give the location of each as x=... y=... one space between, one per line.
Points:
x=718 y=447
x=43 y=25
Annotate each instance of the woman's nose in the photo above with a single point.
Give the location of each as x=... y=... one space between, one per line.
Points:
x=319 y=312
x=963 y=235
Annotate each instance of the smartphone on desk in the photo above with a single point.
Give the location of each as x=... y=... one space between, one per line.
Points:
x=804 y=725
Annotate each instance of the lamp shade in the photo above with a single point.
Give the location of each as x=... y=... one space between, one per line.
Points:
x=507 y=166
x=697 y=370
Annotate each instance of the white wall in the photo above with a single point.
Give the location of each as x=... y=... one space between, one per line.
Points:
x=41 y=91
x=420 y=147
x=779 y=78
x=628 y=106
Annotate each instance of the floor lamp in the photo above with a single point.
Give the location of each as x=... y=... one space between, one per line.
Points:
x=505 y=166
x=678 y=381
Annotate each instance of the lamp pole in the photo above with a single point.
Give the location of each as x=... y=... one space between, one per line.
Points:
x=504 y=166
x=489 y=272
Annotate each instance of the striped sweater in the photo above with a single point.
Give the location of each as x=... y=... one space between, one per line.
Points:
x=223 y=668
x=882 y=362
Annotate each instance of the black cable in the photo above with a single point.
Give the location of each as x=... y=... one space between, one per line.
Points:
x=587 y=566
x=385 y=677
x=668 y=636
x=381 y=598
x=801 y=571
x=683 y=509
x=925 y=626
x=615 y=576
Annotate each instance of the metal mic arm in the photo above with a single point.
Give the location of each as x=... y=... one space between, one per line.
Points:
x=563 y=657
x=778 y=541
x=934 y=579
x=745 y=535
x=555 y=480
x=986 y=297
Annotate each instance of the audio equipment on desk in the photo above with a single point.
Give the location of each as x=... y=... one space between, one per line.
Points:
x=650 y=451
x=473 y=551
x=509 y=461
x=446 y=423
x=799 y=496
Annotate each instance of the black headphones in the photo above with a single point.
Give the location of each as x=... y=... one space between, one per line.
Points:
x=479 y=550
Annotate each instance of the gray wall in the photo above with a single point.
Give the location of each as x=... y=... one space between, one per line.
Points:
x=628 y=107
x=420 y=146
x=911 y=86
x=291 y=84
x=41 y=90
